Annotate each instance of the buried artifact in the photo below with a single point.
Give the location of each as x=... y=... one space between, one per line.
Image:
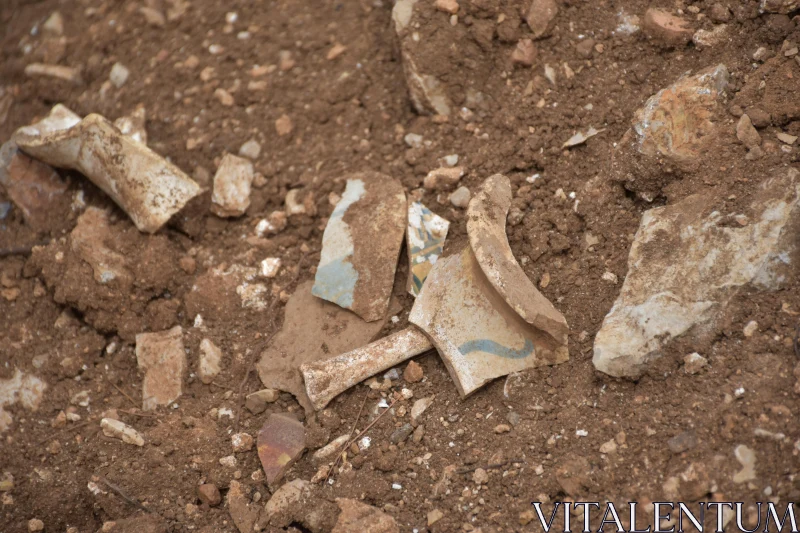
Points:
x=145 y=185
x=477 y=308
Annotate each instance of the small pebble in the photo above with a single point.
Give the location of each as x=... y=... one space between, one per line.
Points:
x=413 y=372
x=750 y=329
x=502 y=428
x=119 y=75
x=251 y=149
x=208 y=493
x=460 y=197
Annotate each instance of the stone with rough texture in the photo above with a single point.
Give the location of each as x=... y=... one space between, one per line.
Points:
x=243 y=514
x=442 y=178
x=666 y=29
x=427 y=92
x=673 y=129
x=232 y=182
x=685 y=265
x=210 y=359
x=419 y=407
x=747 y=458
x=541 y=17
x=22 y=388
x=357 y=516
x=119 y=430
x=289 y=495
x=281 y=440
x=413 y=372
x=162 y=357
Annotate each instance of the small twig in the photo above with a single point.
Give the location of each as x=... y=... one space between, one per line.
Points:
x=124 y=496
x=796 y=341
x=273 y=331
x=66 y=430
x=122 y=392
x=352 y=430
x=489 y=467
x=354 y=439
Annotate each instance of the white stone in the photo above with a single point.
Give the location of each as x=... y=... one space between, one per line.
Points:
x=703 y=264
x=119 y=75
x=270 y=267
x=750 y=329
x=413 y=140
x=251 y=149
x=232 y=182
x=419 y=407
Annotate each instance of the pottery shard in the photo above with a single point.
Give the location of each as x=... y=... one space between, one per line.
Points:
x=687 y=262
x=541 y=17
x=675 y=126
x=357 y=516
x=281 y=440
x=313 y=330
x=162 y=357
x=361 y=244
x=231 y=194
x=30 y=184
x=427 y=92
x=666 y=29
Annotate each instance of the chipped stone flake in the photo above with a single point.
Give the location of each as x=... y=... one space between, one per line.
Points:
x=425 y=238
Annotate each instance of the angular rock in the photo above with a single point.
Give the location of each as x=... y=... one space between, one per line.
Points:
x=541 y=17
x=208 y=493
x=88 y=241
x=241 y=442
x=419 y=407
x=524 y=53
x=22 y=388
x=747 y=458
x=232 y=182
x=460 y=197
x=31 y=185
x=685 y=265
x=210 y=359
x=357 y=516
x=427 y=92
x=746 y=132
x=672 y=130
x=162 y=357
x=666 y=29
x=413 y=372
x=718 y=35
x=401 y=434
x=361 y=244
x=693 y=363
x=313 y=330
x=288 y=496
x=243 y=513
x=281 y=440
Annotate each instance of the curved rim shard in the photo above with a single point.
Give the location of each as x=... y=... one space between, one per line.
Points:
x=486 y=228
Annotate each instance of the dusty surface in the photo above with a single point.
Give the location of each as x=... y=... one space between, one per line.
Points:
x=319 y=113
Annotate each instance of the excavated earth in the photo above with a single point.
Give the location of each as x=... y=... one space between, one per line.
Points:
x=550 y=434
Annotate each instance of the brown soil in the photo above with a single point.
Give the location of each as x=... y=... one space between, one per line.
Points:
x=351 y=114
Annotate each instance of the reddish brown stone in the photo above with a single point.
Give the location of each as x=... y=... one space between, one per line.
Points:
x=525 y=53
x=209 y=494
x=280 y=443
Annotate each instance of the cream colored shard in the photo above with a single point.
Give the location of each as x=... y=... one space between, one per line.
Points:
x=146 y=186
